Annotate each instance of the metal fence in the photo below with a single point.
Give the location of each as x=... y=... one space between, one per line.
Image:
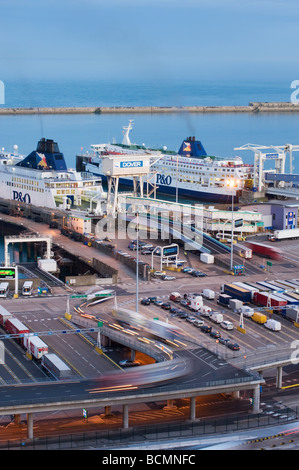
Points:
x=148 y=435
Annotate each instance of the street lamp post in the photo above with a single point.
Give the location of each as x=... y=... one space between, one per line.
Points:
x=137 y=261
x=232 y=184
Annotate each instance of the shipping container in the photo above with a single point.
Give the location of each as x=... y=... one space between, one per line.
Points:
x=237 y=292
x=207 y=258
x=53 y=364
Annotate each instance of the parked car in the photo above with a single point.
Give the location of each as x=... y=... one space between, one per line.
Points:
x=129 y=363
x=187 y=270
x=168 y=278
x=145 y=301
x=159 y=274
x=233 y=346
x=146 y=251
x=198 y=274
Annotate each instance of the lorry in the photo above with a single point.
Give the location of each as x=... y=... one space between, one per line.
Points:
x=35 y=346
x=247 y=311
x=27 y=288
x=53 y=364
x=237 y=292
x=175 y=297
x=4 y=289
x=224 y=299
x=205 y=311
x=265 y=250
x=196 y=303
x=235 y=304
x=291 y=314
x=273 y=325
x=216 y=317
x=278 y=235
x=14 y=327
x=4 y=315
x=266 y=299
x=259 y=317
x=208 y=294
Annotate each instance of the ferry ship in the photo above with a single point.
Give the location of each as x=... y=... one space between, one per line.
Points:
x=190 y=172
x=43 y=179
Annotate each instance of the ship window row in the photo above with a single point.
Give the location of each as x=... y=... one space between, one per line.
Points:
x=25 y=186
x=64 y=191
x=24 y=180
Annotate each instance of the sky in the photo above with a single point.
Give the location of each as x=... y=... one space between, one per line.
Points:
x=210 y=39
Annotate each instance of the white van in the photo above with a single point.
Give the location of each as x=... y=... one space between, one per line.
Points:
x=227 y=325
x=273 y=325
x=208 y=294
x=27 y=288
x=205 y=311
x=216 y=317
x=4 y=289
x=247 y=311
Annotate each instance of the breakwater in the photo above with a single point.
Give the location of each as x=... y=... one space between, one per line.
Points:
x=254 y=107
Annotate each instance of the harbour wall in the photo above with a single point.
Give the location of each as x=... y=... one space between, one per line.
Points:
x=253 y=107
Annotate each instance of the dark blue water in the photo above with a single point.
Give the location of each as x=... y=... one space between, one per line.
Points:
x=219 y=133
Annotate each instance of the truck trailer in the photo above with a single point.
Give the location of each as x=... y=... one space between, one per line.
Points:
x=53 y=364
x=266 y=299
x=35 y=346
x=4 y=315
x=237 y=292
x=15 y=327
x=287 y=234
x=265 y=251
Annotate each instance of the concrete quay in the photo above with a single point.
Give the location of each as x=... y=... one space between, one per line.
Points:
x=253 y=107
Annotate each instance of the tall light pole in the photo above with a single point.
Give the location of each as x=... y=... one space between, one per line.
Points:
x=232 y=184
x=137 y=260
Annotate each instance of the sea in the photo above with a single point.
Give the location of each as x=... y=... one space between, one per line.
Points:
x=220 y=133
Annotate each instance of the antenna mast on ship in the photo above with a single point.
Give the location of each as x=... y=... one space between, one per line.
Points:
x=126 y=131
